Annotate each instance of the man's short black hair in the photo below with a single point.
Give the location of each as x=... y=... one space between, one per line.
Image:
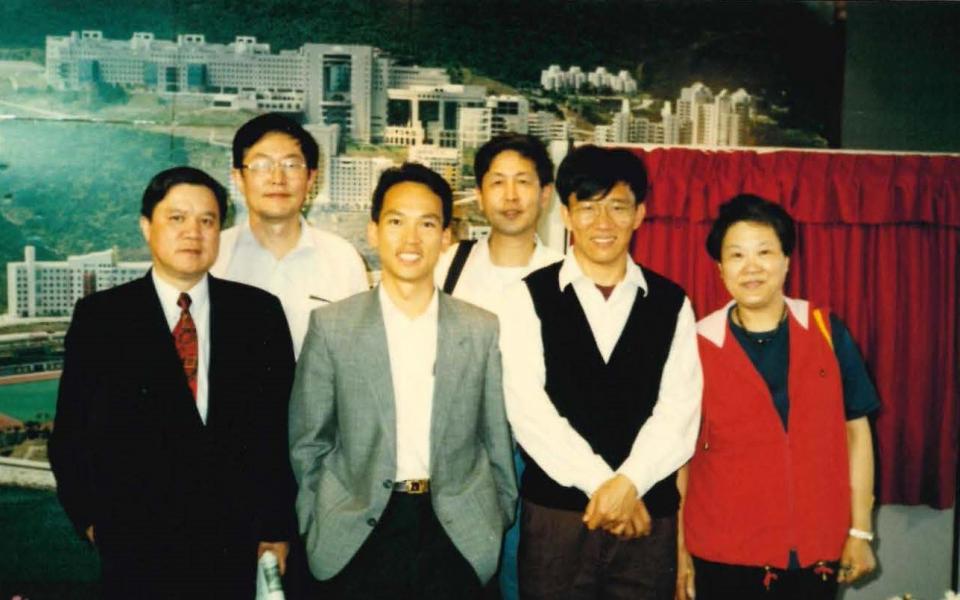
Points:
x=527 y=146
x=590 y=171
x=164 y=181
x=256 y=128
x=753 y=209
x=416 y=173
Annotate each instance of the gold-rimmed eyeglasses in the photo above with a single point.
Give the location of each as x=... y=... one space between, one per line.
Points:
x=289 y=166
x=620 y=212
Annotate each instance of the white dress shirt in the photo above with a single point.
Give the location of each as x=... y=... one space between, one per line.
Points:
x=321 y=268
x=483 y=283
x=412 y=344
x=665 y=441
x=200 y=313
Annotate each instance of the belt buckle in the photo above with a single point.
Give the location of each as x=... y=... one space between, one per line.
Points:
x=413 y=486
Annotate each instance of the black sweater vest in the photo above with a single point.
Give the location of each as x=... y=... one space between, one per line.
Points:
x=606 y=403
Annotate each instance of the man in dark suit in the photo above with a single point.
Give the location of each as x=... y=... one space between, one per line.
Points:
x=169 y=445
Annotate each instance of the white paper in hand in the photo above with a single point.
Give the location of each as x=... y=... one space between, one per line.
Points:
x=269 y=586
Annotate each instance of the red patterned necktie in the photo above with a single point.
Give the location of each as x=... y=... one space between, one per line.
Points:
x=185 y=338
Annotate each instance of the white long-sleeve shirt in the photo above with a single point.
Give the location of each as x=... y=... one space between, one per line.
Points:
x=665 y=441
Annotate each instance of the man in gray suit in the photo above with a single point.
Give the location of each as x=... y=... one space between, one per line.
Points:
x=398 y=434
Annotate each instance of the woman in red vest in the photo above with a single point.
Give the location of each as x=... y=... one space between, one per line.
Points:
x=780 y=489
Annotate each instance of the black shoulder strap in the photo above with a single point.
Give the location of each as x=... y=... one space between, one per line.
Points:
x=456 y=265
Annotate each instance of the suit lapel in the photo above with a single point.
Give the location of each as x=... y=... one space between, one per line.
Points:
x=451 y=336
x=373 y=357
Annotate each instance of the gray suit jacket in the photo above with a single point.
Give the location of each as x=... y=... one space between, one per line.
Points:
x=343 y=433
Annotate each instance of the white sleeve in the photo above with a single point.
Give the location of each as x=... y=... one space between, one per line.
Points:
x=545 y=435
x=667 y=439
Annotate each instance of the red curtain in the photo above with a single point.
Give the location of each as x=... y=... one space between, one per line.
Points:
x=878 y=242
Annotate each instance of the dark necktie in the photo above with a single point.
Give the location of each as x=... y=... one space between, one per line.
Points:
x=185 y=338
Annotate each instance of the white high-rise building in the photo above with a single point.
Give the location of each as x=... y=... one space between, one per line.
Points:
x=731 y=117
x=424 y=115
x=339 y=84
x=547 y=126
x=188 y=65
x=603 y=134
x=347 y=88
x=445 y=161
x=671 y=125
x=696 y=106
x=508 y=113
x=501 y=114
x=409 y=76
x=52 y=288
x=714 y=120
x=352 y=181
x=555 y=79
x=475 y=126
x=626 y=128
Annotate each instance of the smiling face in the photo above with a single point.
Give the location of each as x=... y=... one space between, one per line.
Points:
x=183 y=234
x=277 y=193
x=510 y=194
x=602 y=228
x=409 y=236
x=753 y=266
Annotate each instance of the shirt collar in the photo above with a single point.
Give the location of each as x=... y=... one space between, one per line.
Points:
x=482 y=253
x=393 y=313
x=169 y=295
x=246 y=237
x=570 y=272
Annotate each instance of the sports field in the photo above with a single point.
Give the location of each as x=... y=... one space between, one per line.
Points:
x=32 y=401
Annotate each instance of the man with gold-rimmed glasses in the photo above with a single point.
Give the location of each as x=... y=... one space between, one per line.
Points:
x=603 y=396
x=274 y=167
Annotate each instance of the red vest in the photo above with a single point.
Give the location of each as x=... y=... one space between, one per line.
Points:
x=756 y=491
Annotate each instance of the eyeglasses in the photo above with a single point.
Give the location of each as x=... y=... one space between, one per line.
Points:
x=289 y=166
x=620 y=212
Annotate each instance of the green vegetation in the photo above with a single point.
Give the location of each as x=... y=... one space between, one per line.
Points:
x=40 y=545
x=61 y=193
x=30 y=401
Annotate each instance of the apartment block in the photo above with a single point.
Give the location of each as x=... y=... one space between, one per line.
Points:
x=52 y=288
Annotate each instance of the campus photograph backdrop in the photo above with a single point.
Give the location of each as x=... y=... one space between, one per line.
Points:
x=843 y=112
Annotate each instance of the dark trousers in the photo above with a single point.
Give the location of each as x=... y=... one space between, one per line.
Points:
x=560 y=558
x=186 y=571
x=408 y=555
x=718 y=581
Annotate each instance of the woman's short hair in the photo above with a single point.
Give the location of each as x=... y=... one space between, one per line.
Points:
x=753 y=209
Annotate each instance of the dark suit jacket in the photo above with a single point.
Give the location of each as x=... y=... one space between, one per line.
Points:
x=169 y=497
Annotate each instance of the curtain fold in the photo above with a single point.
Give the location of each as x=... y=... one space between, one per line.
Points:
x=878 y=243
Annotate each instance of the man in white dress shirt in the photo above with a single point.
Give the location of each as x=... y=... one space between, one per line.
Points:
x=603 y=386
x=398 y=433
x=514 y=186
x=274 y=166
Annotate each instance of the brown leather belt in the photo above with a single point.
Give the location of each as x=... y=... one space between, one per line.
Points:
x=412 y=486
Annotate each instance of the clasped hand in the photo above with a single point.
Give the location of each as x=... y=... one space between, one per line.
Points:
x=615 y=508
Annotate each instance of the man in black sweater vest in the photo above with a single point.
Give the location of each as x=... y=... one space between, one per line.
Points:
x=605 y=402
